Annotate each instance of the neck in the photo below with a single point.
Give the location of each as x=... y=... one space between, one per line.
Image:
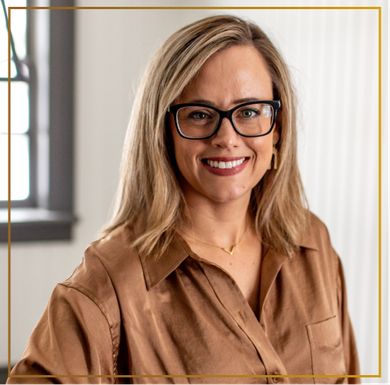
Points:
x=218 y=223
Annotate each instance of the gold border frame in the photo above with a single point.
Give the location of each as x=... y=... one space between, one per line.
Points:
x=379 y=9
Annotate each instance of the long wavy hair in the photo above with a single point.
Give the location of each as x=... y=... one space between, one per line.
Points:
x=149 y=193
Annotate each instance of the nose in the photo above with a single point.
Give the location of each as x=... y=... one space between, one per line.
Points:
x=226 y=136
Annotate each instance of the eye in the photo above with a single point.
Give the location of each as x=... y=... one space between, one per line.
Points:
x=198 y=115
x=249 y=113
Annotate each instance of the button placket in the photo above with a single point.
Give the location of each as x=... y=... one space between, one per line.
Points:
x=247 y=320
x=263 y=316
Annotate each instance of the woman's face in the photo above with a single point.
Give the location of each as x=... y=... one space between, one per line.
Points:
x=227 y=79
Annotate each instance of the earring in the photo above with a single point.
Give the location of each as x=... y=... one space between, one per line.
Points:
x=275 y=153
x=275 y=158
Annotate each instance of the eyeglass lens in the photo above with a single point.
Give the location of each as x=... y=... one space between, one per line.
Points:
x=251 y=120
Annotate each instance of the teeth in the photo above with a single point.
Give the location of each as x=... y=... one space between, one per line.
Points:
x=223 y=165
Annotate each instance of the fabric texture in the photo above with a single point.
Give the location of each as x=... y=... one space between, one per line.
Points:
x=180 y=315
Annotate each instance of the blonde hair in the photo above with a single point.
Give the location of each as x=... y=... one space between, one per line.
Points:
x=149 y=191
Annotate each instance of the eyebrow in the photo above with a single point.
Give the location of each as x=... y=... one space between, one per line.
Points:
x=212 y=104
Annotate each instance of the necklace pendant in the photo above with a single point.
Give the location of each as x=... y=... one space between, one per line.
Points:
x=230 y=251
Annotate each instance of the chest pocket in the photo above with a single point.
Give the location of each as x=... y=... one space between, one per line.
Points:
x=327 y=353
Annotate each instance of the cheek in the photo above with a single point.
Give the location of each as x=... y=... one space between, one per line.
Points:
x=262 y=147
x=185 y=154
x=183 y=163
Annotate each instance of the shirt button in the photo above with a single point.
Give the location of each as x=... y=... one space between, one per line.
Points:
x=275 y=380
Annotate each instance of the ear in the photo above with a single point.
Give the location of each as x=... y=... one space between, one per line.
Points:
x=275 y=134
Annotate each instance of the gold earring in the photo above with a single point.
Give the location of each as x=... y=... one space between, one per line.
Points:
x=275 y=158
x=275 y=153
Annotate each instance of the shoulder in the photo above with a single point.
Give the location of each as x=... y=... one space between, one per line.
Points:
x=105 y=259
x=316 y=235
x=109 y=273
x=109 y=266
x=316 y=250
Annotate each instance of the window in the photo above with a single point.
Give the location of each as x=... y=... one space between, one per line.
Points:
x=20 y=112
x=41 y=123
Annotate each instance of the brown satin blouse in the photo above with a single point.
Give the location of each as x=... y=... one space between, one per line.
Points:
x=182 y=315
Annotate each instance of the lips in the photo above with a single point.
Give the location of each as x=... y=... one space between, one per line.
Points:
x=225 y=166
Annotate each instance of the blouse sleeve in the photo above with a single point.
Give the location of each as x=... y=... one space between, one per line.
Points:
x=73 y=338
x=350 y=351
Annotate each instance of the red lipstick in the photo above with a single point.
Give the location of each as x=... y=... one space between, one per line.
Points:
x=225 y=171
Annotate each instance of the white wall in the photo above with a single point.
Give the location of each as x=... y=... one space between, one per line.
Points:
x=333 y=55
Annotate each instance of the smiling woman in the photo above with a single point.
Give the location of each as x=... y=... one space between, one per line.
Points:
x=225 y=80
x=211 y=265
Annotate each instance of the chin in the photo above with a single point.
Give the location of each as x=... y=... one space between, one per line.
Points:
x=227 y=196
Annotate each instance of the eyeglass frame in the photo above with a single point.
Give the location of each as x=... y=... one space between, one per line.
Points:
x=174 y=108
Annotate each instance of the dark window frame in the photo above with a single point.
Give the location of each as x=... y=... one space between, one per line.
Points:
x=48 y=214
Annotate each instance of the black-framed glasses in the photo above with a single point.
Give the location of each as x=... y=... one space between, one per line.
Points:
x=200 y=121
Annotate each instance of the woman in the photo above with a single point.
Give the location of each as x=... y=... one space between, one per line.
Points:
x=211 y=265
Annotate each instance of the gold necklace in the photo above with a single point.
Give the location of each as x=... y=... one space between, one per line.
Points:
x=218 y=247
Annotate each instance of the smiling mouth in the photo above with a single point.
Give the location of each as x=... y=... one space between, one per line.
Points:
x=224 y=165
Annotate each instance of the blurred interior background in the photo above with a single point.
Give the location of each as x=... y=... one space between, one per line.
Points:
x=75 y=127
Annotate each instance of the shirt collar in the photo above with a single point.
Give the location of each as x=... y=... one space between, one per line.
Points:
x=157 y=269
x=310 y=237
